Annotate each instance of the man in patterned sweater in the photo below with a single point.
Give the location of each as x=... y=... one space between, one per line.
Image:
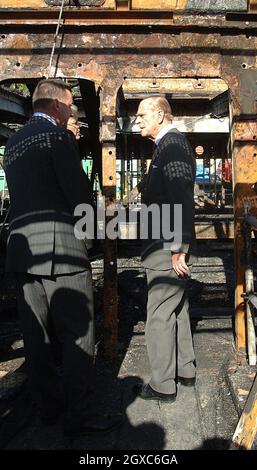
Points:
x=170 y=182
x=51 y=267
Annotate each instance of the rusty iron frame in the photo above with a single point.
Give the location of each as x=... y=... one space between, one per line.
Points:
x=107 y=47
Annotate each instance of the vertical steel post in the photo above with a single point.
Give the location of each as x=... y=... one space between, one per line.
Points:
x=108 y=137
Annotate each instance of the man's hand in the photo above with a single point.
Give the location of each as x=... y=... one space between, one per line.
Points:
x=179 y=264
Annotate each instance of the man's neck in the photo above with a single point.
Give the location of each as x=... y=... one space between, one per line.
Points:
x=45 y=115
x=164 y=130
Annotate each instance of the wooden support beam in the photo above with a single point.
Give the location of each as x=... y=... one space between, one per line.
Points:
x=246 y=429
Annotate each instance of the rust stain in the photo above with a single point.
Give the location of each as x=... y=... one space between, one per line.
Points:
x=245 y=164
x=245 y=131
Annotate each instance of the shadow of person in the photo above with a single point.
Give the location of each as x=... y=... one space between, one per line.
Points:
x=57 y=322
x=132 y=307
x=71 y=314
x=215 y=443
x=141 y=428
x=86 y=394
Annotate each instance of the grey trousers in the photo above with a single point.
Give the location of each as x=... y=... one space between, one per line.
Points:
x=168 y=333
x=57 y=320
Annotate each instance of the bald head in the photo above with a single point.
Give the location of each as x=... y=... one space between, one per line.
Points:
x=153 y=114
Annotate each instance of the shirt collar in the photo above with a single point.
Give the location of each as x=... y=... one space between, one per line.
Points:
x=162 y=133
x=46 y=116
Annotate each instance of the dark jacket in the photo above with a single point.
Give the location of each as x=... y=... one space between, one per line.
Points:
x=46 y=182
x=170 y=181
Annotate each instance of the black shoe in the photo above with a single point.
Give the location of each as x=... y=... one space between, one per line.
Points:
x=100 y=425
x=147 y=393
x=187 y=381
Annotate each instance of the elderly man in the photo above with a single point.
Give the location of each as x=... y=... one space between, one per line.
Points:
x=170 y=181
x=53 y=276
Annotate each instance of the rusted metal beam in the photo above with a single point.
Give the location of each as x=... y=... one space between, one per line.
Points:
x=180 y=5
x=55 y=4
x=245 y=131
x=110 y=322
x=245 y=175
x=193 y=86
x=108 y=139
x=125 y=20
x=87 y=17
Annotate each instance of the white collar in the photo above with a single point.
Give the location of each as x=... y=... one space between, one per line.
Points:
x=46 y=116
x=162 y=132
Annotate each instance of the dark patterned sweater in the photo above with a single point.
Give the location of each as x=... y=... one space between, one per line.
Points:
x=171 y=181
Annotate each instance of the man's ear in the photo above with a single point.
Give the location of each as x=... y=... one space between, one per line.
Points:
x=56 y=105
x=161 y=115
